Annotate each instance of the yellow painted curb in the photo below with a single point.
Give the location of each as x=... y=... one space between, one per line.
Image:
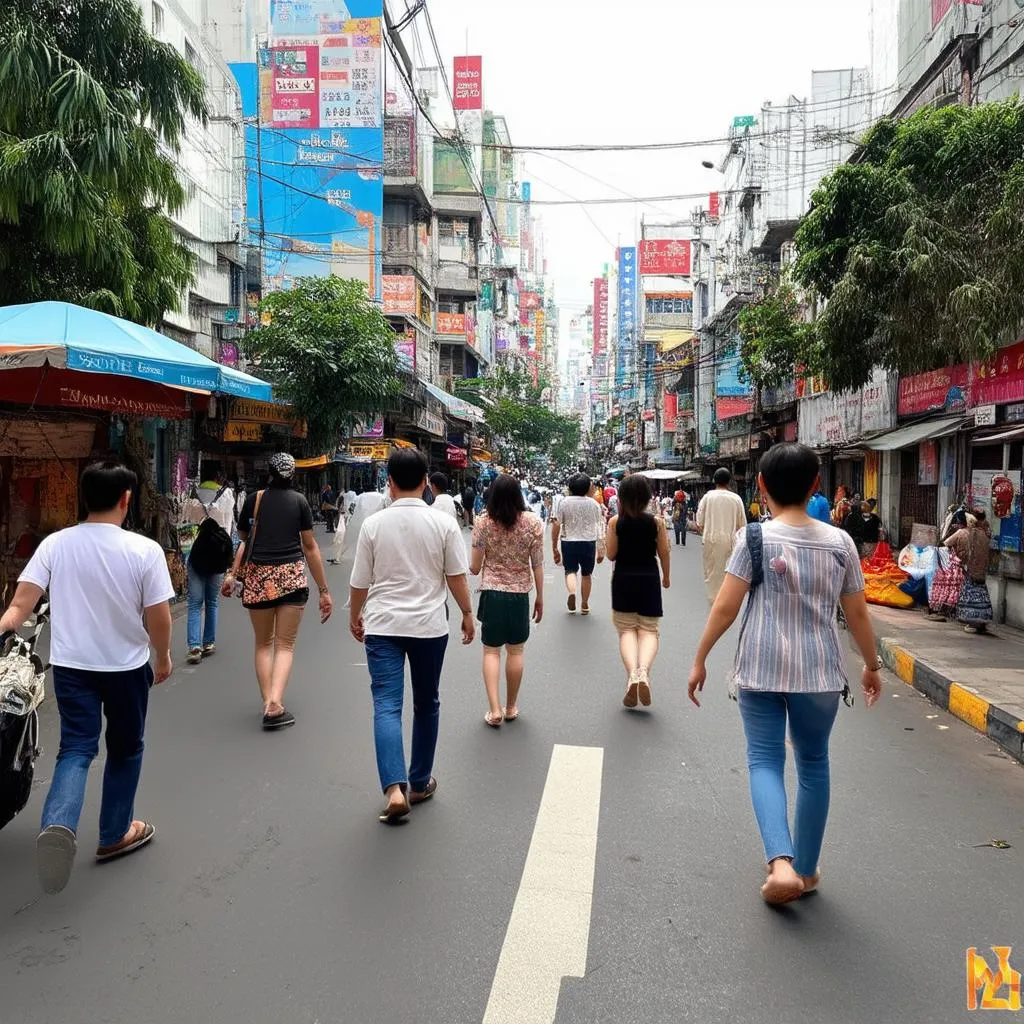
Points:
x=968 y=707
x=903 y=664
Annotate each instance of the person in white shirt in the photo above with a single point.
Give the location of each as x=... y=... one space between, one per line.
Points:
x=208 y=560
x=109 y=601
x=443 y=501
x=578 y=521
x=719 y=515
x=407 y=558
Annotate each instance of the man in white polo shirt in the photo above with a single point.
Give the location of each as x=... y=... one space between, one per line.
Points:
x=408 y=556
x=109 y=591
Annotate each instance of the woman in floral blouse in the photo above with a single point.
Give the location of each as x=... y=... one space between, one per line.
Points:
x=508 y=546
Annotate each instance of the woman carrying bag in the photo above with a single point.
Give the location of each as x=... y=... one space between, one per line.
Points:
x=276 y=529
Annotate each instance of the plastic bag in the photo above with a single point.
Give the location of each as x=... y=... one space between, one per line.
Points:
x=879 y=589
x=338 y=547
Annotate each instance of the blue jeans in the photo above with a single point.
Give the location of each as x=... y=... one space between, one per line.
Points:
x=202 y=590
x=83 y=698
x=810 y=716
x=385 y=657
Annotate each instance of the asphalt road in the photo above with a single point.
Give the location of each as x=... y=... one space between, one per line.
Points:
x=272 y=896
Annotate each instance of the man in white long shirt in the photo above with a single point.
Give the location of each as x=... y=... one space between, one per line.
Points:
x=719 y=515
x=443 y=501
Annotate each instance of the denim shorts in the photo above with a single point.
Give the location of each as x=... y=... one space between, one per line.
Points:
x=579 y=556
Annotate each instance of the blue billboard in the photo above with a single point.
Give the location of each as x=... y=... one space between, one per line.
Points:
x=624 y=362
x=314 y=107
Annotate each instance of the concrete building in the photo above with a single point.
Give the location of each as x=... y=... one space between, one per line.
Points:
x=211 y=165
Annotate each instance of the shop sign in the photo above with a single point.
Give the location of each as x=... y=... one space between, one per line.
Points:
x=450 y=323
x=467 y=83
x=1001 y=379
x=600 y=314
x=831 y=419
x=665 y=256
x=96 y=391
x=937 y=390
x=374 y=452
x=372 y=430
x=669 y=413
x=1015 y=413
x=734 y=447
x=427 y=421
x=928 y=464
x=399 y=294
x=985 y=416
x=240 y=430
x=999 y=494
x=261 y=412
x=457 y=457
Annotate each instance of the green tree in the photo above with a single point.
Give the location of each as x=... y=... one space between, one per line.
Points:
x=93 y=110
x=328 y=350
x=918 y=246
x=516 y=415
x=774 y=339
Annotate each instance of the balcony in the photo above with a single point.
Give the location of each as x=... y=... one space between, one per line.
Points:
x=457 y=270
x=401 y=251
x=459 y=204
x=671 y=321
x=406 y=162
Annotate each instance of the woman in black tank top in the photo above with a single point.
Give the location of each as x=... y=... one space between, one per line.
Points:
x=637 y=542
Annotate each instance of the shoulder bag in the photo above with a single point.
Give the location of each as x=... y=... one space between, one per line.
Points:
x=250 y=543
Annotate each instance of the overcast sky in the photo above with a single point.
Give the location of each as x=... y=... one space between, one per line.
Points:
x=593 y=71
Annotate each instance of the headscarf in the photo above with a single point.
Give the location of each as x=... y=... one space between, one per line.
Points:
x=283 y=465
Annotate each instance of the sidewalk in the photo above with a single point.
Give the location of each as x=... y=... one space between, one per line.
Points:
x=980 y=679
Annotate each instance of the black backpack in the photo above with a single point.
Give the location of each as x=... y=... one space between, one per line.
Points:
x=212 y=551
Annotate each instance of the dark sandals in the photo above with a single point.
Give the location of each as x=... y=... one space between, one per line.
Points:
x=278 y=721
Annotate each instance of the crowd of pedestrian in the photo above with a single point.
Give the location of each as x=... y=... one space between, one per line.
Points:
x=410 y=567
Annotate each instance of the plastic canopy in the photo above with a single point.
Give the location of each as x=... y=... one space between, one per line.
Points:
x=65 y=335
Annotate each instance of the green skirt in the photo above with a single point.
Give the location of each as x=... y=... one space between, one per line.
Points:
x=504 y=618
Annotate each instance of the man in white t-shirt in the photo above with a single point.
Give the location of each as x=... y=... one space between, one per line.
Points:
x=719 y=515
x=408 y=556
x=578 y=522
x=109 y=592
x=443 y=501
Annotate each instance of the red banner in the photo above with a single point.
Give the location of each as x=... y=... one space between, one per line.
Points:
x=450 y=323
x=469 y=83
x=529 y=301
x=399 y=293
x=101 y=392
x=670 y=413
x=1001 y=379
x=665 y=256
x=600 y=315
x=929 y=392
x=714 y=205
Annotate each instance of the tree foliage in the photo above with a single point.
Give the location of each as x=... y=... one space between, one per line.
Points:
x=774 y=339
x=918 y=246
x=328 y=350
x=92 y=111
x=516 y=415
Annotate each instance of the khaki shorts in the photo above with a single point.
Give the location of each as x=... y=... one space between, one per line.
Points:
x=625 y=621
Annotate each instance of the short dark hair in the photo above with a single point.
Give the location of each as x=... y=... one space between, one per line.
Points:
x=408 y=468
x=634 y=496
x=505 y=500
x=440 y=481
x=104 y=483
x=722 y=477
x=579 y=485
x=789 y=471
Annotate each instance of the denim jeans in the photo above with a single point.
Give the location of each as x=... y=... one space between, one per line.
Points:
x=680 y=529
x=385 y=657
x=202 y=590
x=811 y=717
x=83 y=698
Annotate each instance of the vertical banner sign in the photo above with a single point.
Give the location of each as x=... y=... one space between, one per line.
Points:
x=600 y=315
x=468 y=91
x=627 y=322
x=315 y=96
x=714 y=205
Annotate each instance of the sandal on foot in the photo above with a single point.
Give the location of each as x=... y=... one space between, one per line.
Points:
x=632 y=687
x=55 y=854
x=571 y=603
x=585 y=610
x=510 y=716
x=138 y=836
x=209 y=650
x=493 y=721
x=278 y=721
x=394 y=813
x=643 y=687
x=418 y=796
x=195 y=655
x=777 y=891
x=811 y=882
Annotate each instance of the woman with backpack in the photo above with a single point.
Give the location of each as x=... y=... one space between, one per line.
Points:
x=790 y=668
x=213 y=508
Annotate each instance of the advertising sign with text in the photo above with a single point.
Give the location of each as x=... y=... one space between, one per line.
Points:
x=468 y=89
x=627 y=317
x=450 y=323
x=1001 y=379
x=944 y=389
x=665 y=257
x=399 y=294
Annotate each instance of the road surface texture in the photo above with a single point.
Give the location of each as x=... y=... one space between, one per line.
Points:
x=584 y=864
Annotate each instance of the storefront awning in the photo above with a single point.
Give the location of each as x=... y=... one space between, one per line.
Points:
x=1003 y=437
x=314 y=463
x=904 y=437
x=456 y=406
x=68 y=336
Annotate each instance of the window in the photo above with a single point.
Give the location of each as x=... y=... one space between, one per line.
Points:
x=193 y=57
x=446 y=231
x=157 y=25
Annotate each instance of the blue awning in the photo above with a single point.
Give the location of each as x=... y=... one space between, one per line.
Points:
x=65 y=335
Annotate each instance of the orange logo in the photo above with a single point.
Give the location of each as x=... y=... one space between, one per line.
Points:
x=983 y=981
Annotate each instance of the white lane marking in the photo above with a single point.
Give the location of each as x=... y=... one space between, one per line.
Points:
x=549 y=929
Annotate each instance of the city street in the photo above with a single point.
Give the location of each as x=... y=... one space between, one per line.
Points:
x=271 y=895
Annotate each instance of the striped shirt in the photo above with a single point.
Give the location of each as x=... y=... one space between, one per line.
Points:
x=789 y=642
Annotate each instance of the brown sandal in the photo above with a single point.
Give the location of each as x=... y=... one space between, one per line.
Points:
x=419 y=796
x=140 y=833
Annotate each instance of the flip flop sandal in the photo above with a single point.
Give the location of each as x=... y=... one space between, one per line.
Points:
x=510 y=718
x=127 y=845
x=492 y=722
x=419 y=796
x=278 y=721
x=394 y=813
x=571 y=603
x=585 y=610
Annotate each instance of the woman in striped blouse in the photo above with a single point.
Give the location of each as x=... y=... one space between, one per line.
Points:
x=790 y=668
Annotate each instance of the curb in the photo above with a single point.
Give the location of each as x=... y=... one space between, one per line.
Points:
x=999 y=725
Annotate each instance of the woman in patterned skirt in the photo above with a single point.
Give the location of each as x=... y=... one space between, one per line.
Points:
x=971 y=545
